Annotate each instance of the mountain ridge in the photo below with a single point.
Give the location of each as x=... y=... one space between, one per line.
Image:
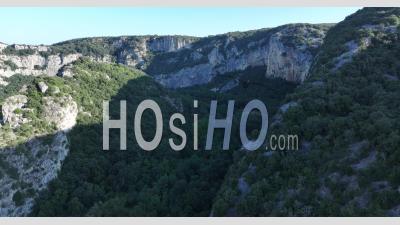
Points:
x=345 y=112
x=197 y=62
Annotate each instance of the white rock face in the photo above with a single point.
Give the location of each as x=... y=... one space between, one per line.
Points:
x=12 y=109
x=167 y=43
x=101 y=59
x=199 y=74
x=290 y=61
x=35 y=165
x=60 y=111
x=36 y=162
x=66 y=71
x=135 y=55
x=218 y=56
x=3 y=82
x=352 y=49
x=35 y=64
x=43 y=87
x=40 y=48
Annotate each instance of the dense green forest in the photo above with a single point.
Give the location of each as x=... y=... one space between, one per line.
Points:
x=349 y=122
x=346 y=114
x=139 y=183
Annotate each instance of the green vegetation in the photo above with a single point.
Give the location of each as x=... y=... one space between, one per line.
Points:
x=10 y=50
x=347 y=119
x=16 y=82
x=136 y=182
x=351 y=29
x=304 y=35
x=336 y=111
x=158 y=63
x=8 y=169
x=102 y=46
x=87 y=47
x=37 y=67
x=299 y=34
x=18 y=198
x=11 y=64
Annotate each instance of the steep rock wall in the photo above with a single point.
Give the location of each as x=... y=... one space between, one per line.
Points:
x=286 y=53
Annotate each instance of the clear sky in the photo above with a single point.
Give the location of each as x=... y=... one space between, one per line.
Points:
x=51 y=25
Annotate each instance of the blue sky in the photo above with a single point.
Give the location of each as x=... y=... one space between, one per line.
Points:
x=51 y=25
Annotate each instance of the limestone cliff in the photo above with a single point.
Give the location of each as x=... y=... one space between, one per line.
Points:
x=29 y=169
x=27 y=166
x=177 y=61
x=51 y=60
x=286 y=52
x=31 y=60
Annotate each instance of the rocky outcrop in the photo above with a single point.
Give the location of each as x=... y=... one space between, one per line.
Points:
x=34 y=64
x=135 y=51
x=199 y=74
x=42 y=87
x=168 y=43
x=352 y=49
x=285 y=52
x=361 y=42
x=289 y=63
x=130 y=53
x=50 y=60
x=40 y=48
x=12 y=110
x=66 y=71
x=28 y=169
x=60 y=111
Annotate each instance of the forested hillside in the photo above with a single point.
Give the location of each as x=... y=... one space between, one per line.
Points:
x=347 y=115
x=335 y=86
x=139 y=183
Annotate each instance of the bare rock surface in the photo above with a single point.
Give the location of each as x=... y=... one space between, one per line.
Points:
x=34 y=165
x=27 y=168
x=12 y=110
x=60 y=111
x=42 y=87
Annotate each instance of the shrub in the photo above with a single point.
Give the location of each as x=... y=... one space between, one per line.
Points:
x=11 y=64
